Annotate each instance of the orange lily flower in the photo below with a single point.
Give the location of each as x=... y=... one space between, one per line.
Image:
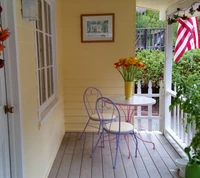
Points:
x=128 y=66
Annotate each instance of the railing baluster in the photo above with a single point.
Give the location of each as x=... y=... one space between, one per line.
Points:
x=150 y=108
x=189 y=134
x=181 y=125
x=139 y=107
x=184 y=126
x=161 y=107
x=175 y=115
x=177 y=120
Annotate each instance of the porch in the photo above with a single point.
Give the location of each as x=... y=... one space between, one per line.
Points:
x=36 y=131
x=73 y=158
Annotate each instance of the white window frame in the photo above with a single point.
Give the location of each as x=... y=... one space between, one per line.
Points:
x=48 y=106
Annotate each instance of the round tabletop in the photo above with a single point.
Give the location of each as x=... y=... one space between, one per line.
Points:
x=134 y=101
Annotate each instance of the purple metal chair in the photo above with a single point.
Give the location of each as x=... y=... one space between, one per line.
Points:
x=90 y=97
x=115 y=127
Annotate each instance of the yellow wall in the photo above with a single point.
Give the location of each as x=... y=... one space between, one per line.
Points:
x=91 y=64
x=40 y=146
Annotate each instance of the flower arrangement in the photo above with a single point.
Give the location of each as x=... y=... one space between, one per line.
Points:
x=127 y=67
x=4 y=34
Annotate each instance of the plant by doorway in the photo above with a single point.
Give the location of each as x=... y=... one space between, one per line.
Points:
x=188 y=97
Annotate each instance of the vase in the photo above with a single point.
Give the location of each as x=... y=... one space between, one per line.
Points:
x=128 y=90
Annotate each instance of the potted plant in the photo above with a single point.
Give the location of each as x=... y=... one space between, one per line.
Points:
x=188 y=97
x=128 y=67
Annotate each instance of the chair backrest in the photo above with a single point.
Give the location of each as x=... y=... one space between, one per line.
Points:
x=105 y=107
x=90 y=96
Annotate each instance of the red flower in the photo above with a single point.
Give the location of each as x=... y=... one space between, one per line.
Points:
x=4 y=34
x=1 y=63
x=125 y=65
x=117 y=64
x=1 y=47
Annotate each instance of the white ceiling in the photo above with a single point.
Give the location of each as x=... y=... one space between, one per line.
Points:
x=154 y=4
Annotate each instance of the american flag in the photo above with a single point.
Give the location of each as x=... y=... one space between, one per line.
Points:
x=188 y=37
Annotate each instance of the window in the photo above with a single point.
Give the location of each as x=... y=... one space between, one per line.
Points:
x=46 y=66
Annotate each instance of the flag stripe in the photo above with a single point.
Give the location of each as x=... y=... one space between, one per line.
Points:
x=182 y=48
x=187 y=37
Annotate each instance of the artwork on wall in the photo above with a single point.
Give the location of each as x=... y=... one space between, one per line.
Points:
x=97 y=27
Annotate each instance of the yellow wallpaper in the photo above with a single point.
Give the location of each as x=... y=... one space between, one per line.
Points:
x=40 y=146
x=91 y=64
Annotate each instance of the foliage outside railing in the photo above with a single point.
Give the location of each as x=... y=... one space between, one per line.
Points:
x=178 y=124
x=188 y=98
x=188 y=66
x=154 y=71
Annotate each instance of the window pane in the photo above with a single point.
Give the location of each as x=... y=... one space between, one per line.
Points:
x=40 y=92
x=41 y=62
x=52 y=81
x=39 y=22
x=47 y=17
x=38 y=49
x=49 y=81
x=50 y=51
x=47 y=50
x=42 y=86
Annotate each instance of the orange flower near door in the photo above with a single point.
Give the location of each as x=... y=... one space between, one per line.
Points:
x=4 y=34
x=1 y=47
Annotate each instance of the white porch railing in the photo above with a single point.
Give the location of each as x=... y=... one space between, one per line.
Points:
x=176 y=128
x=151 y=117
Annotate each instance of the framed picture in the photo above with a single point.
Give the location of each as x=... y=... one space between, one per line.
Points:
x=97 y=28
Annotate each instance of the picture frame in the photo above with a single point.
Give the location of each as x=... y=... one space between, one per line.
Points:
x=97 y=28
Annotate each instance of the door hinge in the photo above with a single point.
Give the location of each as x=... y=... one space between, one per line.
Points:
x=8 y=109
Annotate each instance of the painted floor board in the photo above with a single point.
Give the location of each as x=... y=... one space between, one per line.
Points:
x=73 y=158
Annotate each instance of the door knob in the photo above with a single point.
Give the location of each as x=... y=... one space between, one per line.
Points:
x=8 y=109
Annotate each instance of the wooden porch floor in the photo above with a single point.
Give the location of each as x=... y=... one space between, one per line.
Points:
x=73 y=158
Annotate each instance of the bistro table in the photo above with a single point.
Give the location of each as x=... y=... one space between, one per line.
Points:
x=130 y=105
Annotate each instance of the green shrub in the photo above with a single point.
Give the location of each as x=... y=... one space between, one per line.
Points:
x=187 y=67
x=154 y=71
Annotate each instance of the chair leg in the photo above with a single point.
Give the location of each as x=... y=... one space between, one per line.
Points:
x=102 y=139
x=84 y=129
x=136 y=144
x=99 y=128
x=96 y=145
x=129 y=153
x=116 y=154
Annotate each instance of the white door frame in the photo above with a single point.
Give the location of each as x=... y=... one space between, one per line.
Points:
x=13 y=90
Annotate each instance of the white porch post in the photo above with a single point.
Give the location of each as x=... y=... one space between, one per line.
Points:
x=168 y=76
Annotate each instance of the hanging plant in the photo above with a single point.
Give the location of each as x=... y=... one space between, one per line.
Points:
x=4 y=34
